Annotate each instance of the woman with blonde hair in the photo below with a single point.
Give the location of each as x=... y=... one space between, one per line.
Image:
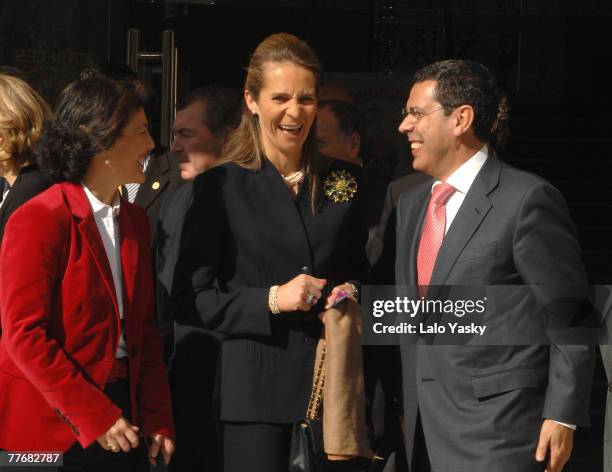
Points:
x=274 y=234
x=22 y=113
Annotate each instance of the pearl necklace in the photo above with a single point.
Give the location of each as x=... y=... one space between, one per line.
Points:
x=294 y=179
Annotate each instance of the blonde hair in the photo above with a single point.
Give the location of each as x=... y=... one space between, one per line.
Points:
x=244 y=146
x=22 y=113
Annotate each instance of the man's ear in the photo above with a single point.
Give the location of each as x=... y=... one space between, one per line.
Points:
x=250 y=102
x=354 y=145
x=464 y=119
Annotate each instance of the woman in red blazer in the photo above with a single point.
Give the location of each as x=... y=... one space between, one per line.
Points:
x=81 y=367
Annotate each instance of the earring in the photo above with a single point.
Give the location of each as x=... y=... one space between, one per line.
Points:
x=106 y=161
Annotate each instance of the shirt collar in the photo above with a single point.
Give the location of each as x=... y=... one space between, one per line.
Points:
x=464 y=176
x=97 y=206
x=146 y=161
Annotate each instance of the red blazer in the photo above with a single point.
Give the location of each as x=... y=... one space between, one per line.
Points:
x=61 y=326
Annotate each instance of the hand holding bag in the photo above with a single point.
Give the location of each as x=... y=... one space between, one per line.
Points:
x=307 y=454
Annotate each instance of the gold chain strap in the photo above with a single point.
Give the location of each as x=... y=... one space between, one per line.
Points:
x=316 y=395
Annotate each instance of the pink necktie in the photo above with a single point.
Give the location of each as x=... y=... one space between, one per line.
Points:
x=433 y=233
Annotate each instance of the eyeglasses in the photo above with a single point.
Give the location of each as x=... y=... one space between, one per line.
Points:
x=417 y=114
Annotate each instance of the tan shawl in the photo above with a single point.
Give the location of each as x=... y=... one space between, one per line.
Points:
x=344 y=425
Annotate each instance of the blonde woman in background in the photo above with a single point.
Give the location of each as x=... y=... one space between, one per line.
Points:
x=22 y=113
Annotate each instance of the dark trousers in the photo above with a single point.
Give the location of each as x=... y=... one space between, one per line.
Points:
x=420 y=455
x=256 y=447
x=95 y=458
x=264 y=447
x=192 y=383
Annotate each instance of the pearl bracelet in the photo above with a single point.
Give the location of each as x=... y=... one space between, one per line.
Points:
x=273 y=300
x=355 y=291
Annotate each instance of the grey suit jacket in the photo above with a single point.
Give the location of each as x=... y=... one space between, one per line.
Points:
x=606 y=356
x=481 y=407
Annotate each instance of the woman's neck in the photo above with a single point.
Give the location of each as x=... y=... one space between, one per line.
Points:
x=98 y=184
x=285 y=164
x=11 y=172
x=11 y=175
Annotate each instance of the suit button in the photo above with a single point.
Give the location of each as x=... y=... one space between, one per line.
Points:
x=308 y=340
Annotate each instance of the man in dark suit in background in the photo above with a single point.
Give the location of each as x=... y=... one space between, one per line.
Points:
x=340 y=128
x=478 y=221
x=162 y=178
x=203 y=121
x=382 y=245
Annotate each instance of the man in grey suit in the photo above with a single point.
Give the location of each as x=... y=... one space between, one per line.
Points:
x=478 y=221
x=606 y=357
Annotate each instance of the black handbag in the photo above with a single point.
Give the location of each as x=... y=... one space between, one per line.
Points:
x=307 y=454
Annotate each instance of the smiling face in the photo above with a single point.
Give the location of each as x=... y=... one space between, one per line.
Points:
x=431 y=134
x=128 y=152
x=286 y=108
x=194 y=145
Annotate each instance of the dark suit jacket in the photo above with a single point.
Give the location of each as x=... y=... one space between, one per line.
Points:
x=247 y=232
x=61 y=325
x=191 y=353
x=168 y=235
x=29 y=182
x=162 y=178
x=375 y=189
x=382 y=244
x=481 y=406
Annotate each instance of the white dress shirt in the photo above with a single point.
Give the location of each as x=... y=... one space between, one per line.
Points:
x=107 y=221
x=462 y=180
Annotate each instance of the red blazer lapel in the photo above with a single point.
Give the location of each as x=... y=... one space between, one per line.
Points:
x=129 y=254
x=79 y=206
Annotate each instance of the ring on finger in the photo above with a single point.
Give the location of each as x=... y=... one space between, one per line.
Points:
x=310 y=299
x=112 y=447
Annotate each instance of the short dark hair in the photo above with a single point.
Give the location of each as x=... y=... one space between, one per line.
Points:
x=350 y=119
x=90 y=115
x=222 y=107
x=465 y=82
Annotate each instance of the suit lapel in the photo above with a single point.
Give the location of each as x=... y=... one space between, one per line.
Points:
x=472 y=212
x=294 y=225
x=11 y=195
x=129 y=255
x=157 y=178
x=80 y=208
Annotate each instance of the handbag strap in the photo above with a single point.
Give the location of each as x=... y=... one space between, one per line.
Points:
x=316 y=396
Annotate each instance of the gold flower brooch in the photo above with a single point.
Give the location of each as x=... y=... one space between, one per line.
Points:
x=340 y=186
